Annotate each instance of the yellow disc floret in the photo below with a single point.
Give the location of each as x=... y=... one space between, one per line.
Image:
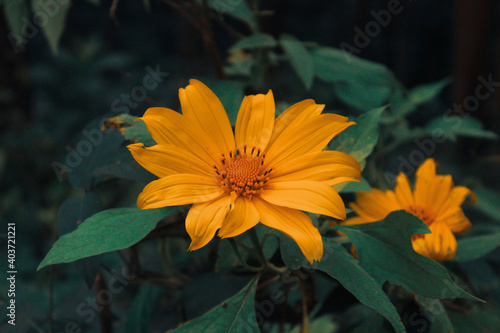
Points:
x=242 y=173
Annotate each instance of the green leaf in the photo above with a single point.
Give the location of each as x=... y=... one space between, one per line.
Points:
x=17 y=16
x=72 y=213
x=110 y=230
x=402 y=104
x=215 y=288
x=472 y=248
x=360 y=83
x=360 y=139
x=235 y=314
x=342 y=266
x=257 y=40
x=385 y=250
x=56 y=19
x=353 y=187
x=142 y=309
x=230 y=93
x=99 y=155
x=226 y=258
x=477 y=320
x=453 y=126
x=482 y=275
x=487 y=202
x=132 y=129
x=374 y=323
x=299 y=58
x=236 y=9
x=436 y=313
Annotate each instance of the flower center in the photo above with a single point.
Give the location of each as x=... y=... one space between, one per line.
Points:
x=424 y=214
x=242 y=172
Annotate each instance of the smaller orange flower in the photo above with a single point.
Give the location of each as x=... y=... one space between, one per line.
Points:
x=434 y=199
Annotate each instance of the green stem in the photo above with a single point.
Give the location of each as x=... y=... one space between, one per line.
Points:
x=254 y=238
x=240 y=258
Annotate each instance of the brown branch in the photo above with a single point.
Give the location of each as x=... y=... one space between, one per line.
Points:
x=183 y=11
x=112 y=11
x=304 y=327
x=105 y=316
x=201 y=21
x=51 y=297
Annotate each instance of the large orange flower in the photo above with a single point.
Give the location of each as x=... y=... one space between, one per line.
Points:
x=435 y=200
x=267 y=172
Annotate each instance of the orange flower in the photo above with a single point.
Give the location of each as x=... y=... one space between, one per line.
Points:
x=267 y=172
x=435 y=200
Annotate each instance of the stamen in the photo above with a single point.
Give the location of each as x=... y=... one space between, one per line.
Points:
x=242 y=173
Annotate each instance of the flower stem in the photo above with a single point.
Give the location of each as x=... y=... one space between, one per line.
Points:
x=240 y=258
x=254 y=238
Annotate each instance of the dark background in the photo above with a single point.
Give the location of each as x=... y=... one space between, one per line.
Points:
x=46 y=100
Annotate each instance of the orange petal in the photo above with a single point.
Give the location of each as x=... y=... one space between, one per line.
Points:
x=295 y=224
x=255 y=122
x=375 y=205
x=403 y=191
x=338 y=180
x=438 y=192
x=456 y=197
x=439 y=245
x=178 y=189
x=355 y=220
x=204 y=219
x=455 y=219
x=310 y=136
x=302 y=110
x=242 y=217
x=169 y=127
x=310 y=196
x=165 y=160
x=425 y=174
x=322 y=166
x=202 y=107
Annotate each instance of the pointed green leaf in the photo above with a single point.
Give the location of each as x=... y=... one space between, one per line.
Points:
x=299 y=58
x=235 y=314
x=454 y=126
x=342 y=266
x=402 y=104
x=56 y=20
x=472 y=248
x=132 y=129
x=385 y=250
x=254 y=41
x=110 y=230
x=360 y=139
x=239 y=10
x=360 y=83
x=17 y=17
x=487 y=202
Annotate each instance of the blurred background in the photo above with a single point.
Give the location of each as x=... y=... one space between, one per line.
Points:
x=49 y=94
